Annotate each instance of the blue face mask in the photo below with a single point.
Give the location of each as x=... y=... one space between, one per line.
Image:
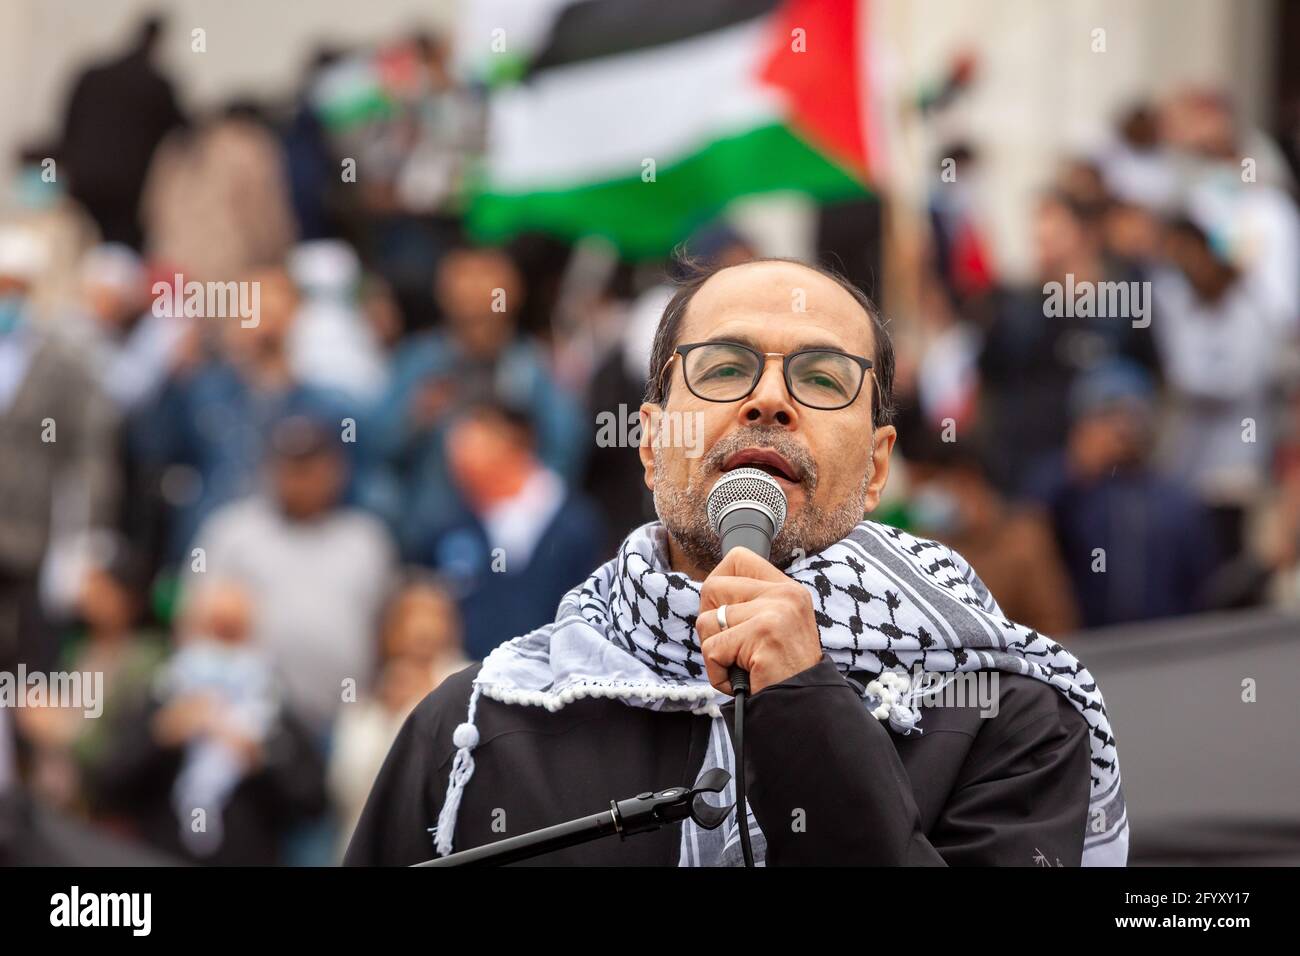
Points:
x=11 y=312
x=33 y=192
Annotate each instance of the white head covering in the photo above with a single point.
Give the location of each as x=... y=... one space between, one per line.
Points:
x=113 y=266
x=22 y=253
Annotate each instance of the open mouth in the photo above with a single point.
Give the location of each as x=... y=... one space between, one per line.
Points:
x=764 y=459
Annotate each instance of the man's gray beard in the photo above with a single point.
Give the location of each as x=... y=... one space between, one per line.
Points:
x=684 y=511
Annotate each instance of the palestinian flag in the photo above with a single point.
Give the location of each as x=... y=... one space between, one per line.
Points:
x=638 y=120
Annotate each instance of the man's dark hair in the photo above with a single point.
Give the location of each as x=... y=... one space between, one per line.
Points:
x=1087 y=213
x=508 y=413
x=670 y=325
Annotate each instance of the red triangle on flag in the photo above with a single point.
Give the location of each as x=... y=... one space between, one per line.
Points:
x=820 y=71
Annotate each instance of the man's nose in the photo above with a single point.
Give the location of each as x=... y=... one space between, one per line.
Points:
x=770 y=402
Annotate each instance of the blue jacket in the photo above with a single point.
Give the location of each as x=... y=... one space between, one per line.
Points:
x=416 y=455
x=496 y=605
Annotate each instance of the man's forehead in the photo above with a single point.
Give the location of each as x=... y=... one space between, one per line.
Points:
x=800 y=299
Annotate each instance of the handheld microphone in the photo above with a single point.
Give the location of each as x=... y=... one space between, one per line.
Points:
x=747 y=509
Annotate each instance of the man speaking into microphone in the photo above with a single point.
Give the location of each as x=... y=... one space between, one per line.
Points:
x=849 y=630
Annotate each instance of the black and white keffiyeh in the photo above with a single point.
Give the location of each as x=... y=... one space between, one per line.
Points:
x=888 y=605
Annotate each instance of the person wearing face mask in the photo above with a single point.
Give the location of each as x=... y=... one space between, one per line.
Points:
x=212 y=767
x=319 y=568
x=39 y=204
x=56 y=451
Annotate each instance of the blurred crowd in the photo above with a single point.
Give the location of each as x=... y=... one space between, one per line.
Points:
x=1134 y=457
x=274 y=537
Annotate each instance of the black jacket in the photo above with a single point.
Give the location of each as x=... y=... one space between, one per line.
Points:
x=829 y=784
x=136 y=777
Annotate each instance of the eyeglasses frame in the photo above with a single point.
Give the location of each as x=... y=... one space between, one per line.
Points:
x=867 y=366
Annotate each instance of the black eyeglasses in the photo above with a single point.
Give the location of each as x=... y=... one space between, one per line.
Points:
x=728 y=371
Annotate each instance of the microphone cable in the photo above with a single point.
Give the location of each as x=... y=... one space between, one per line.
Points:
x=740 y=690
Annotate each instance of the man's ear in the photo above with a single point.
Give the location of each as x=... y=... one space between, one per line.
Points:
x=885 y=436
x=649 y=419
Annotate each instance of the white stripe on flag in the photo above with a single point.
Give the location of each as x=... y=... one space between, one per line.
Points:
x=597 y=121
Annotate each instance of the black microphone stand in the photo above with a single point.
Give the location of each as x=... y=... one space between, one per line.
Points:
x=639 y=814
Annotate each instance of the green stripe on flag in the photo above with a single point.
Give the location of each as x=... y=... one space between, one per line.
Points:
x=647 y=219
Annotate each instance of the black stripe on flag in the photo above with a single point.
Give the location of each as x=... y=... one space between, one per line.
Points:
x=591 y=29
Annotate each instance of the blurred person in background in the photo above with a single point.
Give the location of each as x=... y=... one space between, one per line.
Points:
x=1237 y=189
x=437 y=130
x=1137 y=545
x=216 y=203
x=68 y=744
x=33 y=834
x=421 y=646
x=382 y=312
x=1218 y=349
x=529 y=537
x=963 y=257
x=1136 y=163
x=1082 y=181
x=478 y=356
x=58 y=479
x=332 y=345
x=414 y=131
x=316 y=191
x=1030 y=360
x=131 y=348
x=397 y=110
x=211 y=767
x=1133 y=235
x=1010 y=545
x=1206 y=133
x=317 y=571
x=937 y=377
x=1141 y=187
x=117 y=114
x=39 y=204
x=612 y=397
x=204 y=436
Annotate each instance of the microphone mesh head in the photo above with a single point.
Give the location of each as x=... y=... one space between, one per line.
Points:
x=746 y=484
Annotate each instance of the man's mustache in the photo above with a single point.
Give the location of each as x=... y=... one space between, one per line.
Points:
x=763 y=436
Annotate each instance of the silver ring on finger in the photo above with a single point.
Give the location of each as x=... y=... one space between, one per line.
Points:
x=722 y=617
